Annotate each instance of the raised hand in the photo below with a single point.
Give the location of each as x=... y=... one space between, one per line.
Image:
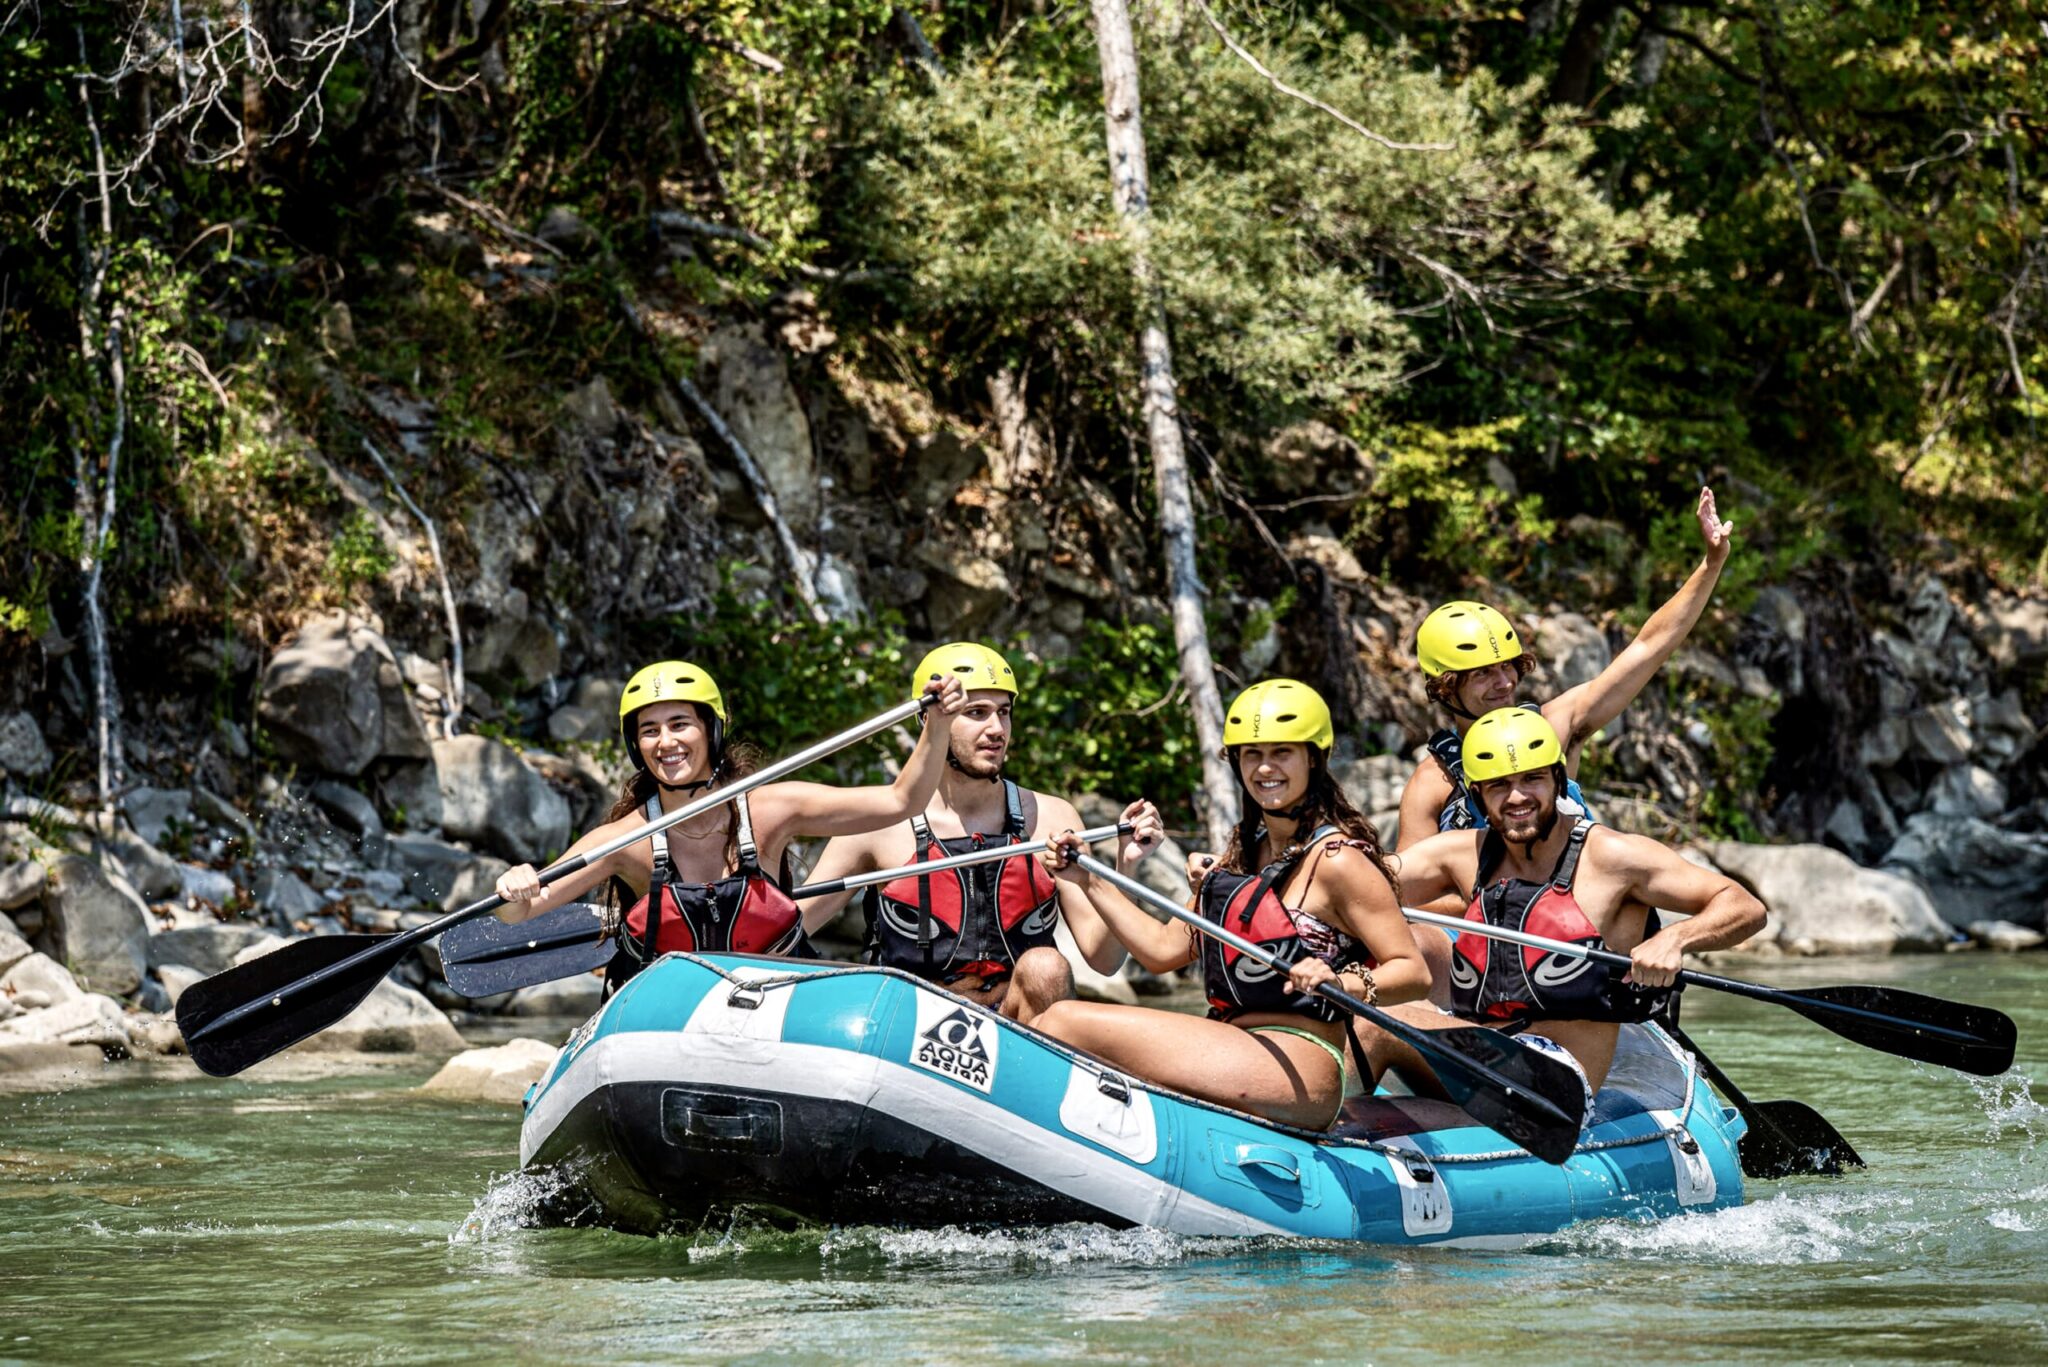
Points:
x=1716 y=532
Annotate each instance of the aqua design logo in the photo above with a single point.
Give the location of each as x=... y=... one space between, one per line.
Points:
x=955 y=1042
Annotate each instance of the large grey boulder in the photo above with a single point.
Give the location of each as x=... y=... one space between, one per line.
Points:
x=392 y=1020
x=2002 y=728
x=1967 y=790
x=176 y=978
x=516 y=648
x=1574 y=649
x=210 y=949
x=1821 y=902
x=13 y=948
x=97 y=927
x=436 y=872
x=209 y=887
x=1973 y=870
x=409 y=794
x=333 y=699
x=490 y=795
x=501 y=1074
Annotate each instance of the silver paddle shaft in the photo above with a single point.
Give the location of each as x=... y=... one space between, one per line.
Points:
x=952 y=861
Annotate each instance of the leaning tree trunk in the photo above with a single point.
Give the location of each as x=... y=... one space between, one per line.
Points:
x=1126 y=133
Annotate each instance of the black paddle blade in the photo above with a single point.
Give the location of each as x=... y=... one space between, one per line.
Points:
x=1970 y=1039
x=1531 y=1098
x=235 y=1018
x=485 y=956
x=1791 y=1139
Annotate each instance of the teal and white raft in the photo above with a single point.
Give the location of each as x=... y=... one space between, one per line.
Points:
x=852 y=1095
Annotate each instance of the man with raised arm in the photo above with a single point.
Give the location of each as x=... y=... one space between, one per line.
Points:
x=985 y=931
x=1533 y=868
x=1475 y=663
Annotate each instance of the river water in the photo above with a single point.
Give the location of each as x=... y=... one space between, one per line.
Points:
x=169 y=1216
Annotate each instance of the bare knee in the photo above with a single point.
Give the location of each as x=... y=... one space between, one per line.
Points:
x=1041 y=979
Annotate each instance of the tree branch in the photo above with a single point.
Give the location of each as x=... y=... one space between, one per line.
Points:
x=456 y=686
x=1311 y=101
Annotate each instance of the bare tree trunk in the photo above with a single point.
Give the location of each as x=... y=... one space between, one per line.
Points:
x=100 y=343
x=1130 y=185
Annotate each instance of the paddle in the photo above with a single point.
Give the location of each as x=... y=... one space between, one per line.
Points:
x=488 y=956
x=1970 y=1039
x=1538 y=1102
x=249 y=1012
x=1786 y=1138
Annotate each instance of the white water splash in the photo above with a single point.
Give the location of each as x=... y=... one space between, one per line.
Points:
x=513 y=1201
x=2009 y=1104
x=1054 y=1246
x=1783 y=1231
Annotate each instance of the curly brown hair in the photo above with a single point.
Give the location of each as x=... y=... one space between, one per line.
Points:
x=1442 y=689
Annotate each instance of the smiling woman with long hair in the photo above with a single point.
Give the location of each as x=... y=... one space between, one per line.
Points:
x=700 y=885
x=1303 y=876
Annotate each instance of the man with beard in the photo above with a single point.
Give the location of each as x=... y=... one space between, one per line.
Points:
x=985 y=931
x=1535 y=870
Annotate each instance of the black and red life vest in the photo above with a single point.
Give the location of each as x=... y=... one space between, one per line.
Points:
x=744 y=913
x=977 y=920
x=1509 y=984
x=1249 y=905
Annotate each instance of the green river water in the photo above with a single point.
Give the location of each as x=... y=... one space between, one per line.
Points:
x=165 y=1216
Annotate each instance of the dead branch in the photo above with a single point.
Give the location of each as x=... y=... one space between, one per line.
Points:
x=1245 y=56
x=800 y=564
x=456 y=686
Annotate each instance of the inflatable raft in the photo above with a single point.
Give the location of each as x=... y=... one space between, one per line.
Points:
x=846 y=1094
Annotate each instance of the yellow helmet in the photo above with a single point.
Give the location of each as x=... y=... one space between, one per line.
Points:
x=975 y=664
x=672 y=681
x=1464 y=635
x=1509 y=740
x=1273 y=711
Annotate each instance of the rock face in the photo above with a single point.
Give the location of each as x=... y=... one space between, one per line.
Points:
x=489 y=795
x=579 y=996
x=499 y=1075
x=89 y=1018
x=1574 y=650
x=753 y=394
x=435 y=871
x=97 y=928
x=354 y=814
x=333 y=699
x=1821 y=902
x=1973 y=870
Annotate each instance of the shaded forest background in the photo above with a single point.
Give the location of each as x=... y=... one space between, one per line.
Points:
x=1479 y=314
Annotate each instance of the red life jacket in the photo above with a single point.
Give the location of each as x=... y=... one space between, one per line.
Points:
x=1498 y=982
x=978 y=920
x=744 y=913
x=1249 y=905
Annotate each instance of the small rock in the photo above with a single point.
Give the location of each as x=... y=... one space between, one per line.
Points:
x=176 y=978
x=409 y=795
x=22 y=747
x=1942 y=732
x=39 y=980
x=88 y=1018
x=206 y=885
x=20 y=884
x=2004 y=935
x=211 y=806
x=1967 y=790
x=151 y=996
x=578 y=996
x=153 y=874
x=156 y=1033
x=500 y=1074
x=283 y=893
x=152 y=811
